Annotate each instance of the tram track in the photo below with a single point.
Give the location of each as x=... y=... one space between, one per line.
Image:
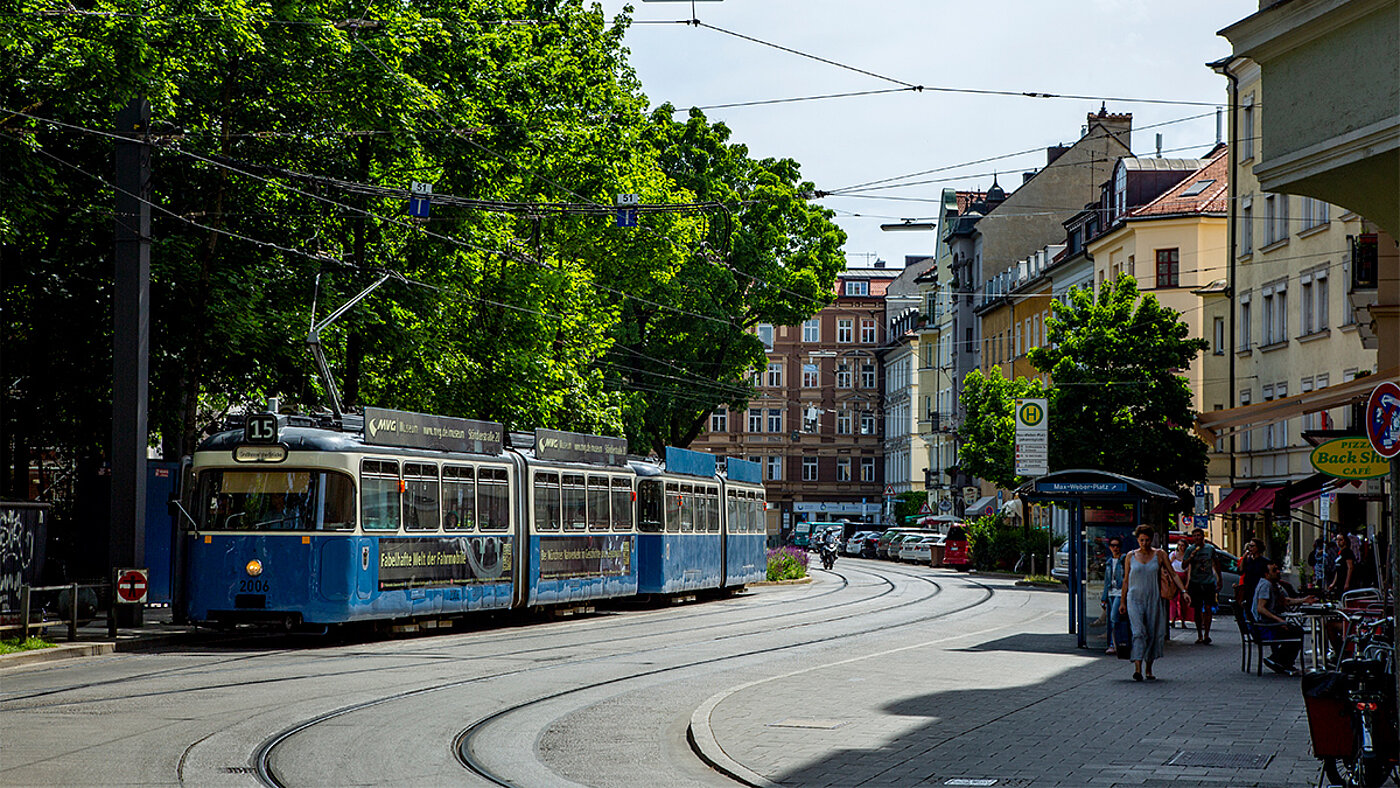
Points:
x=263 y=755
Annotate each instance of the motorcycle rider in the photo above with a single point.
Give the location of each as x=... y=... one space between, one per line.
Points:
x=828 y=547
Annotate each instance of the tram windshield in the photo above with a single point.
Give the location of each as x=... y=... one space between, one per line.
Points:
x=280 y=500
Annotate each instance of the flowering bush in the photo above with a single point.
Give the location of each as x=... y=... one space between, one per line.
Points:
x=787 y=563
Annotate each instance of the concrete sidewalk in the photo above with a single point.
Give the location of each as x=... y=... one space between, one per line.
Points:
x=156 y=631
x=1020 y=709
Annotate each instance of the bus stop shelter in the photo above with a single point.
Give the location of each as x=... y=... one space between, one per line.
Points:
x=1100 y=505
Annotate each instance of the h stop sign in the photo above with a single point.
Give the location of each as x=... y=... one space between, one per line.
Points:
x=132 y=586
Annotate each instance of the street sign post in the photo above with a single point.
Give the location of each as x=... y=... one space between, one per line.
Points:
x=1032 y=437
x=133 y=586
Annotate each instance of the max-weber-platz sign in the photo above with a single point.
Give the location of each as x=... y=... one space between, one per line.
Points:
x=1032 y=437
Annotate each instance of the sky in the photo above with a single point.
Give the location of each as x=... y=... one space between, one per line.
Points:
x=1107 y=50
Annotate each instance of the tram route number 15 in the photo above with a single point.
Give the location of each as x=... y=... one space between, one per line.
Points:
x=260 y=428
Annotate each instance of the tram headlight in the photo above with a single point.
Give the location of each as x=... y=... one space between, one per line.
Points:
x=254 y=568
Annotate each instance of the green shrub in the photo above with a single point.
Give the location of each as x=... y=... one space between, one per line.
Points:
x=787 y=563
x=11 y=645
x=997 y=544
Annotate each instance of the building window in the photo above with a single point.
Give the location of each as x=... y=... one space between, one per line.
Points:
x=1246 y=436
x=843 y=422
x=719 y=421
x=843 y=469
x=857 y=287
x=1275 y=314
x=867 y=331
x=1247 y=226
x=1275 y=218
x=755 y=420
x=1219 y=326
x=1315 y=213
x=812 y=330
x=844 y=330
x=1168 y=268
x=867 y=376
x=811 y=376
x=809 y=469
x=1309 y=419
x=775 y=374
x=775 y=419
x=765 y=335
x=1247 y=128
x=775 y=469
x=843 y=377
x=1246 y=339
x=1312 y=306
x=867 y=423
x=867 y=469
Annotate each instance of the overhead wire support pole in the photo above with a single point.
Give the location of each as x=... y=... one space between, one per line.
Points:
x=313 y=340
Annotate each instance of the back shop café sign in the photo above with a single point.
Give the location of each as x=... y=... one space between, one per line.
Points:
x=1349 y=458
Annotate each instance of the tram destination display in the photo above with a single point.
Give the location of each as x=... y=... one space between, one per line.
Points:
x=577 y=447
x=385 y=427
x=429 y=562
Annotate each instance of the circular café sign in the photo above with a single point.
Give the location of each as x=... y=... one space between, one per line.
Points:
x=1349 y=458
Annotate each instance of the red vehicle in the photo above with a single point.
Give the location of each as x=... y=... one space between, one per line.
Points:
x=955 y=551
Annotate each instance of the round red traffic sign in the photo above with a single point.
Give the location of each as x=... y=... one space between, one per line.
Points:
x=131 y=586
x=1383 y=419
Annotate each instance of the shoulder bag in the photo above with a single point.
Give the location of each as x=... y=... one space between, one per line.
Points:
x=1166 y=583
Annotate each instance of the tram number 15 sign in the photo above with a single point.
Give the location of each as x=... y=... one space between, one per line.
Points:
x=260 y=428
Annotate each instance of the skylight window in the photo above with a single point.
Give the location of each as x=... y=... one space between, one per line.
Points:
x=1197 y=188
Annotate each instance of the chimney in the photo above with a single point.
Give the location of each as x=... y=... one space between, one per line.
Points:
x=1026 y=176
x=1055 y=151
x=879 y=263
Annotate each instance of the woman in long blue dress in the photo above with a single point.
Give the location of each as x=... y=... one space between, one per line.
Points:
x=1142 y=600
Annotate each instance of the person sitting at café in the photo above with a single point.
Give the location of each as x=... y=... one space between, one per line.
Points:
x=1268 y=608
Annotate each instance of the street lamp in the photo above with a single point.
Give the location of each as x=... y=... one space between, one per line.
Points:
x=909 y=224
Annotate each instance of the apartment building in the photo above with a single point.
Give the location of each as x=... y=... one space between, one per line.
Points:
x=815 y=422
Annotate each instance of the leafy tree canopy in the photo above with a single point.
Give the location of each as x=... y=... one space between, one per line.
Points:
x=988 y=430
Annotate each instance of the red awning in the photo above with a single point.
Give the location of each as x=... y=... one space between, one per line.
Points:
x=1257 y=501
x=1230 y=500
x=1311 y=495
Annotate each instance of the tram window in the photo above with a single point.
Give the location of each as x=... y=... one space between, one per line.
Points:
x=621 y=504
x=673 y=508
x=380 y=491
x=687 y=508
x=712 y=505
x=598 y=503
x=458 y=498
x=649 y=507
x=575 y=500
x=493 y=499
x=547 y=501
x=731 y=511
x=248 y=500
x=420 y=497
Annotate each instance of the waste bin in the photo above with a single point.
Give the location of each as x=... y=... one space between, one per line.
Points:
x=936 y=554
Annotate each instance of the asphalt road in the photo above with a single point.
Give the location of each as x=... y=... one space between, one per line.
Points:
x=602 y=700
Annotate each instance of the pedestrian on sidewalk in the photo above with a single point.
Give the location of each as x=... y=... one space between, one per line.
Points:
x=1112 y=594
x=1252 y=567
x=1202 y=581
x=1149 y=569
x=1180 y=611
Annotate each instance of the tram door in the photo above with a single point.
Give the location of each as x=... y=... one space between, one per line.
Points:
x=1102 y=521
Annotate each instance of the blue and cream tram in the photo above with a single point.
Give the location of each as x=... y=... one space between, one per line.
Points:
x=696 y=527
x=745 y=526
x=411 y=517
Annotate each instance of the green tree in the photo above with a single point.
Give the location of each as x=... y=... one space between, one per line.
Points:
x=1119 y=401
x=988 y=430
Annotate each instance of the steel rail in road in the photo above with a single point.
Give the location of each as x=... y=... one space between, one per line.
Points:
x=470 y=760
x=262 y=756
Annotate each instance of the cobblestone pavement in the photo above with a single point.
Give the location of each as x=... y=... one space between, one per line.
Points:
x=1004 y=695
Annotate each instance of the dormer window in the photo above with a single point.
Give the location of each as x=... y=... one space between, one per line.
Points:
x=857 y=287
x=1120 y=191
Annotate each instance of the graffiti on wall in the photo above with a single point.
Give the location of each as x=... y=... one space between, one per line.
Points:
x=22 y=534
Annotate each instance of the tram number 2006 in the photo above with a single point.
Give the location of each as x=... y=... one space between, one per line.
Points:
x=253 y=586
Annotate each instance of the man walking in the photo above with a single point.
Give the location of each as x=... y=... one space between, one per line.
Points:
x=1202 y=581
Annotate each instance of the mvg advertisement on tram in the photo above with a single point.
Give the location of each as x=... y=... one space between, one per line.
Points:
x=432 y=562
x=598 y=555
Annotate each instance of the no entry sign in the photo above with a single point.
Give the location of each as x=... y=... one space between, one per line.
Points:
x=132 y=586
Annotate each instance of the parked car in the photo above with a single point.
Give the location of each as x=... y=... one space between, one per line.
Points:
x=857 y=544
x=956 y=552
x=919 y=551
x=898 y=541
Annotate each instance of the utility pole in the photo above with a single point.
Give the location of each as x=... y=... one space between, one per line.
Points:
x=131 y=306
